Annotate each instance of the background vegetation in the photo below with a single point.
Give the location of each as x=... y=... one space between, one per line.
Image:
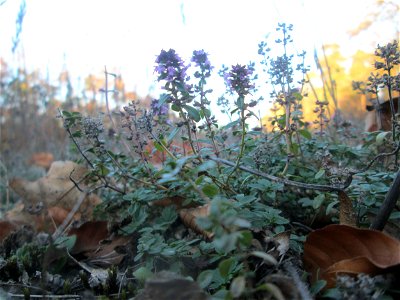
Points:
x=207 y=201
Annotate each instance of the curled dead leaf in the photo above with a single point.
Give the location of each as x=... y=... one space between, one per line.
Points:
x=95 y=242
x=342 y=249
x=189 y=215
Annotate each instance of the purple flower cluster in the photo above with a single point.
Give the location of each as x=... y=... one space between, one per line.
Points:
x=238 y=79
x=200 y=58
x=158 y=109
x=170 y=66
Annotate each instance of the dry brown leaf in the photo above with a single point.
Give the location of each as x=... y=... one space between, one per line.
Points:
x=6 y=227
x=56 y=188
x=42 y=159
x=341 y=249
x=88 y=236
x=176 y=200
x=347 y=216
x=277 y=244
x=46 y=220
x=282 y=240
x=189 y=215
x=95 y=243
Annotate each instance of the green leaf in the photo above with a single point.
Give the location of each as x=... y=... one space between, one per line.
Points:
x=330 y=206
x=205 y=278
x=199 y=180
x=272 y=289
x=77 y=134
x=317 y=201
x=240 y=102
x=65 y=242
x=317 y=286
x=210 y=190
x=233 y=111
x=237 y=286
x=175 y=107
x=395 y=215
x=206 y=112
x=268 y=258
x=158 y=146
x=381 y=137
x=142 y=274
x=297 y=95
x=305 y=133
x=193 y=112
x=295 y=148
x=163 y=98
x=226 y=266
x=66 y=114
x=172 y=135
x=246 y=238
x=320 y=173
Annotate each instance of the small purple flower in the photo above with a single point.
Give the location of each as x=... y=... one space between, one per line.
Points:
x=200 y=58
x=170 y=66
x=239 y=79
x=159 y=109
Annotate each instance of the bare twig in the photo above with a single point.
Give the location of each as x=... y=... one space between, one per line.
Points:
x=317 y=187
x=69 y=217
x=64 y=297
x=394 y=152
x=106 y=91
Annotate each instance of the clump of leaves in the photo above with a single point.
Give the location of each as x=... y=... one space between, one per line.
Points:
x=250 y=185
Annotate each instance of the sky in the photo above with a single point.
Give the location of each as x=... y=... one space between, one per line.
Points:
x=127 y=35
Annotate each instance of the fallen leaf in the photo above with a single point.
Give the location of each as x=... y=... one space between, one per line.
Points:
x=342 y=249
x=347 y=216
x=46 y=220
x=176 y=200
x=6 y=227
x=89 y=235
x=278 y=244
x=56 y=189
x=189 y=216
x=95 y=242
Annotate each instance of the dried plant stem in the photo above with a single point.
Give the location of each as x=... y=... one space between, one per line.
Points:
x=388 y=205
x=242 y=139
x=69 y=217
x=106 y=91
x=317 y=187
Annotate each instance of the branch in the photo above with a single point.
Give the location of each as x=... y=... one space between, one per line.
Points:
x=388 y=205
x=318 y=187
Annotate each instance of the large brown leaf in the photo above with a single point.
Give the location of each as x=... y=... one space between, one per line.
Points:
x=56 y=189
x=94 y=241
x=6 y=227
x=47 y=220
x=342 y=249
